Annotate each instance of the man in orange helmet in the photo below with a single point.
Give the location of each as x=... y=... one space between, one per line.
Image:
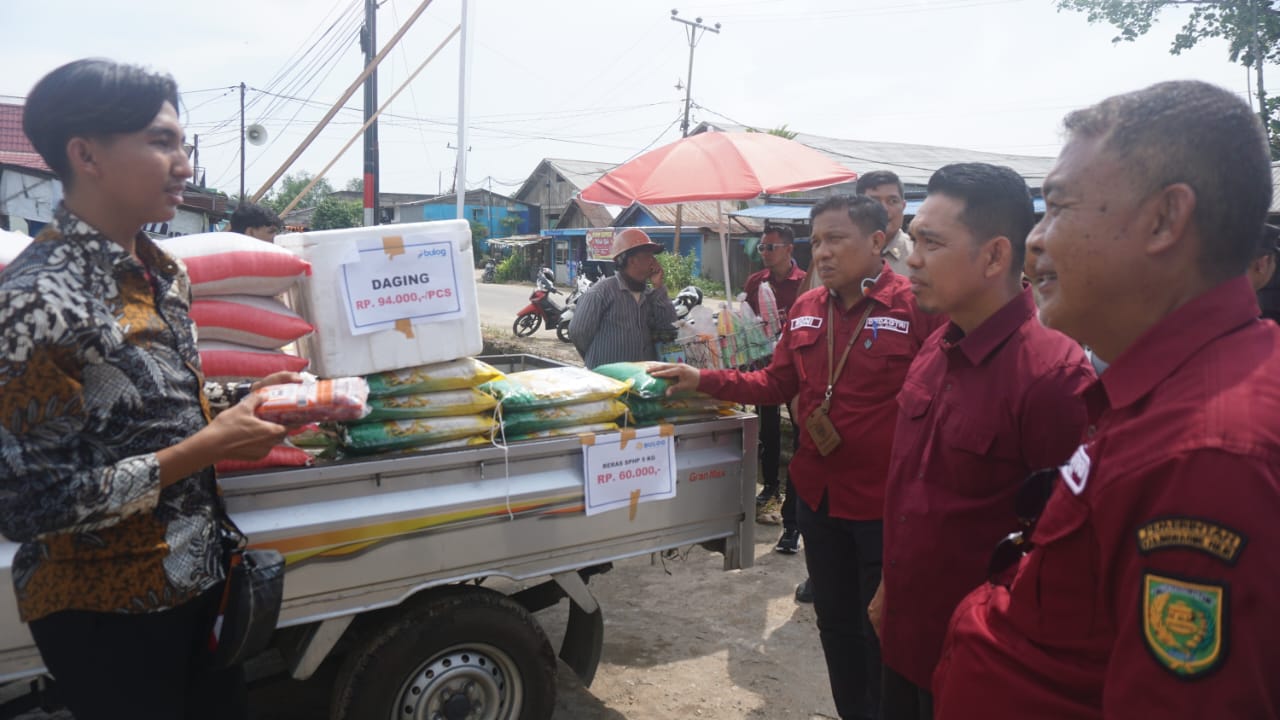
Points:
x=615 y=320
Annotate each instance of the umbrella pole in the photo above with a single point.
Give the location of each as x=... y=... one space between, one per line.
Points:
x=724 y=251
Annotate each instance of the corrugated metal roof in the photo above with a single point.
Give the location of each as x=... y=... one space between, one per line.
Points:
x=15 y=148
x=913 y=163
x=703 y=214
x=801 y=212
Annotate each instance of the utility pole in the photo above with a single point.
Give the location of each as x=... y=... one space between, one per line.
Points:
x=695 y=31
x=368 y=42
x=241 y=142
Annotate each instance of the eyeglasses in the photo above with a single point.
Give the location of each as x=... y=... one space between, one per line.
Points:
x=1028 y=505
x=770 y=247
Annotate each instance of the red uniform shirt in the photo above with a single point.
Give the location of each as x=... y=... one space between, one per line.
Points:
x=784 y=291
x=1153 y=590
x=862 y=403
x=977 y=414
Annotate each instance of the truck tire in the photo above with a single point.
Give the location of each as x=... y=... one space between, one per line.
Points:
x=526 y=325
x=468 y=653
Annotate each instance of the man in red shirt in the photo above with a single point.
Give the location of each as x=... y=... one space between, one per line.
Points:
x=843 y=356
x=785 y=279
x=989 y=399
x=1152 y=582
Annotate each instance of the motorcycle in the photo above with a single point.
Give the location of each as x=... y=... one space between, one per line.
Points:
x=490 y=272
x=542 y=309
x=582 y=285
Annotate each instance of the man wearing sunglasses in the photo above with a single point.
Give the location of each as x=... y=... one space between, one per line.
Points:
x=990 y=398
x=785 y=278
x=1152 y=577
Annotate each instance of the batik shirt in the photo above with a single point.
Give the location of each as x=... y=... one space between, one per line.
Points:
x=98 y=371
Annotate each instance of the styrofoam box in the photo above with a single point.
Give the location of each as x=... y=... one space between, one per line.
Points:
x=333 y=349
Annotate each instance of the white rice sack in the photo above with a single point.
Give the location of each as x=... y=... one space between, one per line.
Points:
x=227 y=263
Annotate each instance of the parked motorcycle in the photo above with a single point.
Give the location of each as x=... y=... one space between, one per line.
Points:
x=582 y=285
x=542 y=309
x=686 y=300
x=490 y=272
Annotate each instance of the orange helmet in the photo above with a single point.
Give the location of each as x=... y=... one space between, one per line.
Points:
x=629 y=241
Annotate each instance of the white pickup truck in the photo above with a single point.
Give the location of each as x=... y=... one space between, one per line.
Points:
x=394 y=561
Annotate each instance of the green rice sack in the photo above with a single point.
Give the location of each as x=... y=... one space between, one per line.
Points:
x=643 y=384
x=445 y=403
x=515 y=424
x=593 y=428
x=453 y=375
x=549 y=387
x=395 y=434
x=658 y=409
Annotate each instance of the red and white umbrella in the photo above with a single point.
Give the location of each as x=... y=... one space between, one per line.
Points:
x=717 y=166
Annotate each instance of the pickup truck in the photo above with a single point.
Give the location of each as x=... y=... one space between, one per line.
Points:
x=419 y=573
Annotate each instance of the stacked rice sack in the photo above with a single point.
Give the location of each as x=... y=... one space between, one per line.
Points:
x=12 y=244
x=558 y=401
x=241 y=324
x=429 y=407
x=646 y=398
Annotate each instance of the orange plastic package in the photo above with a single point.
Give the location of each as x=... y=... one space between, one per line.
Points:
x=315 y=401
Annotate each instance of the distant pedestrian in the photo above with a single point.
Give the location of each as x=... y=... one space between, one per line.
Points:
x=785 y=280
x=617 y=319
x=885 y=187
x=256 y=221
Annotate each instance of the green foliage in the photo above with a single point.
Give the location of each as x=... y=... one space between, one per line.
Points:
x=289 y=188
x=478 y=235
x=513 y=269
x=355 y=185
x=678 y=273
x=509 y=224
x=1250 y=27
x=332 y=213
x=781 y=131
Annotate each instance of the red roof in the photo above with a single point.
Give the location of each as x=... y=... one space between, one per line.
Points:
x=15 y=148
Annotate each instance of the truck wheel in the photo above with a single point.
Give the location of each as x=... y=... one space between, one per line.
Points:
x=526 y=325
x=562 y=331
x=471 y=653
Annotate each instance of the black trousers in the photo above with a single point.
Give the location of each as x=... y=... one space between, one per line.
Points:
x=843 y=558
x=112 y=666
x=789 y=499
x=769 y=446
x=902 y=699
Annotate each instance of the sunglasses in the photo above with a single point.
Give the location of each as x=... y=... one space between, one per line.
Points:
x=1028 y=505
x=770 y=247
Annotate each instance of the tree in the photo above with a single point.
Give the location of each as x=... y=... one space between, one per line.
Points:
x=479 y=232
x=332 y=213
x=355 y=185
x=291 y=185
x=781 y=131
x=510 y=223
x=1250 y=27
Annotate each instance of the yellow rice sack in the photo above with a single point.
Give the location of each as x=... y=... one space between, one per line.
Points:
x=453 y=375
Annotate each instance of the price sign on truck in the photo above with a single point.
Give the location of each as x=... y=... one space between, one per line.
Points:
x=630 y=466
x=395 y=279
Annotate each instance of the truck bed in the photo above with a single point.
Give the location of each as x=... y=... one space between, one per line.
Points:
x=362 y=534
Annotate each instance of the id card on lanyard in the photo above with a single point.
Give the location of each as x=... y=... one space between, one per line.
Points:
x=825 y=436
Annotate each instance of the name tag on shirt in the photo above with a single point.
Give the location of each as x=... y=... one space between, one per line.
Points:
x=805 y=321
x=1076 y=472
x=889 y=323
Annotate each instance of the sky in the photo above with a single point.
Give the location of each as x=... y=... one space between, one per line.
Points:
x=596 y=79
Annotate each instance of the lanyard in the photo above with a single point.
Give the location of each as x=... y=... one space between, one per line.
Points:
x=833 y=371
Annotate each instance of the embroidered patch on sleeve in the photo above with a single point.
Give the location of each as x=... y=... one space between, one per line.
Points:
x=1193 y=534
x=1184 y=624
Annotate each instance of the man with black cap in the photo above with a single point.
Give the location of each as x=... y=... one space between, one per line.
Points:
x=615 y=320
